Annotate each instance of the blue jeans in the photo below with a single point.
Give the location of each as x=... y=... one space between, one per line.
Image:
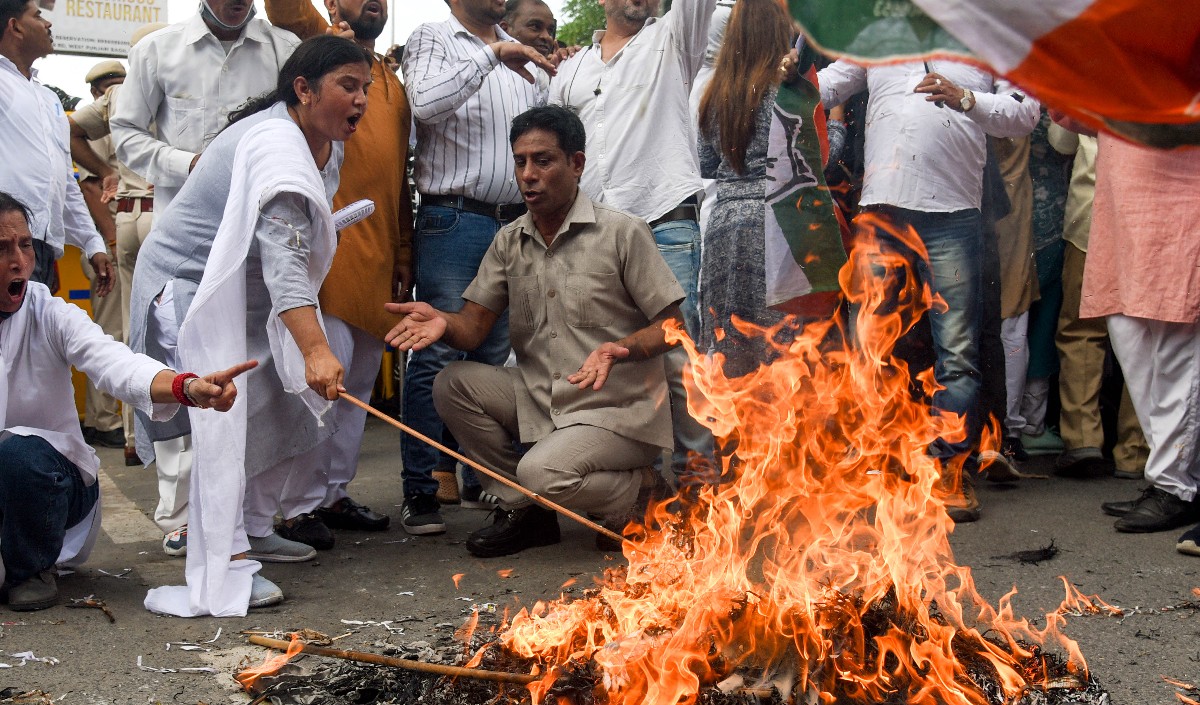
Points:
x=449 y=246
x=692 y=458
x=42 y=494
x=954 y=242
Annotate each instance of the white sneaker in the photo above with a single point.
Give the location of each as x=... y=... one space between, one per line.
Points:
x=175 y=542
x=273 y=548
x=264 y=593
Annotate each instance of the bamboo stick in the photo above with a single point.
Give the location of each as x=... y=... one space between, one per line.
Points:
x=409 y=664
x=434 y=668
x=490 y=473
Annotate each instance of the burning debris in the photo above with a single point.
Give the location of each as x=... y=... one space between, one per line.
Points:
x=818 y=572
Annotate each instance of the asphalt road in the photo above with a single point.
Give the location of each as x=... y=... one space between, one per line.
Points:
x=408 y=583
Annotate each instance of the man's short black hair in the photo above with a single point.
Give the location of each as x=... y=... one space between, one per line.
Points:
x=564 y=123
x=11 y=9
x=512 y=6
x=8 y=204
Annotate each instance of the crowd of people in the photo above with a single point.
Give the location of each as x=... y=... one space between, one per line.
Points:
x=572 y=205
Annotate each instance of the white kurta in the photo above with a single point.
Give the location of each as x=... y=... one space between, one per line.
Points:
x=38 y=346
x=272 y=158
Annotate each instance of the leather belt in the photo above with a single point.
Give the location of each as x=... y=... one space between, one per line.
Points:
x=504 y=213
x=688 y=210
x=125 y=205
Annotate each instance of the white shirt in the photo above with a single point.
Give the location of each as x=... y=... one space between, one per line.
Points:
x=641 y=145
x=919 y=156
x=463 y=103
x=35 y=163
x=181 y=79
x=38 y=346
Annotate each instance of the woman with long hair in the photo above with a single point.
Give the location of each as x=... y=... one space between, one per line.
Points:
x=761 y=139
x=244 y=248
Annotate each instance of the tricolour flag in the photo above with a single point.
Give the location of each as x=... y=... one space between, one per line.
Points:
x=1130 y=65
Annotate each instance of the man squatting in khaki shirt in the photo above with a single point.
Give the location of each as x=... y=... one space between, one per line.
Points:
x=588 y=296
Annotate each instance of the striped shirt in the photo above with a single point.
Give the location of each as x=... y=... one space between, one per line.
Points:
x=463 y=102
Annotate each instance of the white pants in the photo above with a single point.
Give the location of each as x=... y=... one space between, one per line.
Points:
x=1161 y=362
x=1014 y=335
x=173 y=458
x=336 y=459
x=286 y=489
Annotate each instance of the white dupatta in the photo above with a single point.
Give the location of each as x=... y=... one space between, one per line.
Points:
x=271 y=158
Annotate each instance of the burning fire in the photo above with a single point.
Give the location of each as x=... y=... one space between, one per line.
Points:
x=822 y=566
x=271 y=665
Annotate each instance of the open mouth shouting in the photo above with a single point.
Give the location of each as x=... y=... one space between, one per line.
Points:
x=352 y=122
x=372 y=9
x=14 y=294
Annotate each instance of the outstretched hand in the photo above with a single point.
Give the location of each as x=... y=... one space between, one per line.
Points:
x=217 y=390
x=421 y=326
x=594 y=370
x=515 y=56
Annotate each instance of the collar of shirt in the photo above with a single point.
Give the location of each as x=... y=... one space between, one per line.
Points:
x=460 y=28
x=599 y=34
x=8 y=65
x=581 y=213
x=196 y=29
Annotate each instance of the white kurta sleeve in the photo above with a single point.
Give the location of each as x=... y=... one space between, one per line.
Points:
x=111 y=366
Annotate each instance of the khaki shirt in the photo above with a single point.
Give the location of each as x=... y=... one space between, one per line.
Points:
x=93 y=118
x=601 y=280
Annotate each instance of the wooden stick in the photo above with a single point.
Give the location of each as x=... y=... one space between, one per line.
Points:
x=490 y=473
x=434 y=668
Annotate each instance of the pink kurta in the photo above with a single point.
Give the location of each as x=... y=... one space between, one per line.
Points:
x=1144 y=254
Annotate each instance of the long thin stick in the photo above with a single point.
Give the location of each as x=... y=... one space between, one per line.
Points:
x=438 y=669
x=364 y=657
x=490 y=473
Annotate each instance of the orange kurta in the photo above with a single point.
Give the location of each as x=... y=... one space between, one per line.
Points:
x=369 y=253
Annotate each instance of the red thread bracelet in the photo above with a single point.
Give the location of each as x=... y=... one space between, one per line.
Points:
x=177 y=388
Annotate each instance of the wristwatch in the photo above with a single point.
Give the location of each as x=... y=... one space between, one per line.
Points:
x=968 y=100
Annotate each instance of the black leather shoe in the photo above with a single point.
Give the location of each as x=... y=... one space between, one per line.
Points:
x=513 y=531
x=348 y=514
x=1120 y=509
x=109 y=439
x=1158 y=510
x=307 y=529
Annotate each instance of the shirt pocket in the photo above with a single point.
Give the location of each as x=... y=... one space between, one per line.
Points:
x=525 y=305
x=184 y=126
x=590 y=300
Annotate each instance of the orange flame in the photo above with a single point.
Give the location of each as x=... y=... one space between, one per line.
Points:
x=271 y=665
x=457 y=578
x=823 y=562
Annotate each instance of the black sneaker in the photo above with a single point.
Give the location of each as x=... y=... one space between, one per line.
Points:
x=420 y=516
x=307 y=529
x=513 y=531
x=1158 y=510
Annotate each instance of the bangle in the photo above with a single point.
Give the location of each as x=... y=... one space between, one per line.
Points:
x=177 y=388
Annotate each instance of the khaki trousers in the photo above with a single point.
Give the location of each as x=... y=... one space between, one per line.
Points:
x=583 y=468
x=101 y=411
x=132 y=230
x=1081 y=351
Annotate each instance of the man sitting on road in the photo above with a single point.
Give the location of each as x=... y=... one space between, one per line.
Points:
x=584 y=283
x=48 y=490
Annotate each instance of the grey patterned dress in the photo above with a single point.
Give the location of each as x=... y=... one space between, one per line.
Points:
x=732 y=271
